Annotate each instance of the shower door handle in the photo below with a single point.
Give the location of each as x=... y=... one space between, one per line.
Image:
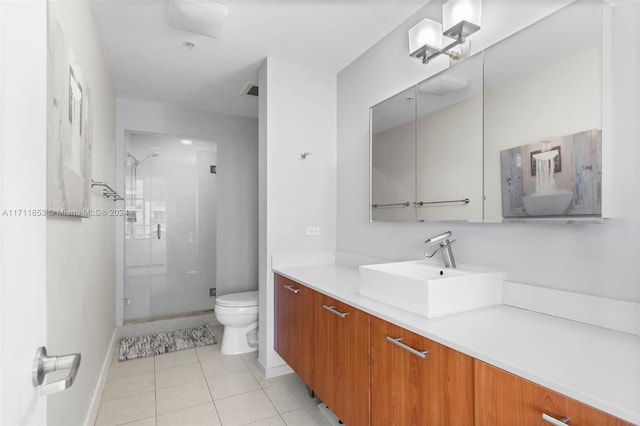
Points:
x=158 y=231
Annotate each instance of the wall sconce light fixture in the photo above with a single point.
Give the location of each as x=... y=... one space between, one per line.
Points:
x=460 y=19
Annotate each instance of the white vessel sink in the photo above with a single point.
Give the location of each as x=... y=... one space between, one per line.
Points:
x=429 y=289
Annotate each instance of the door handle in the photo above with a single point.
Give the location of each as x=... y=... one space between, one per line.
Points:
x=334 y=312
x=159 y=230
x=292 y=289
x=43 y=365
x=397 y=341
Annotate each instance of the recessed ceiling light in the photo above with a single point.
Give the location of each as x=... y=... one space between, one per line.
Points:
x=186 y=142
x=189 y=44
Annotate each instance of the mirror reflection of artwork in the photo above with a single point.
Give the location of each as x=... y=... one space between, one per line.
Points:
x=556 y=156
x=69 y=129
x=551 y=185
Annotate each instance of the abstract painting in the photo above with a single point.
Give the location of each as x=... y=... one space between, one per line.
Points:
x=69 y=129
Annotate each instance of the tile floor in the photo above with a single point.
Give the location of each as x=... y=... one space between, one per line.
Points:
x=203 y=387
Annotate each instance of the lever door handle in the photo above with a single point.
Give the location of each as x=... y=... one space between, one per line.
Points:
x=43 y=365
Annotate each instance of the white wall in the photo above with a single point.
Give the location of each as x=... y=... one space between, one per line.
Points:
x=593 y=259
x=297 y=110
x=81 y=252
x=236 y=183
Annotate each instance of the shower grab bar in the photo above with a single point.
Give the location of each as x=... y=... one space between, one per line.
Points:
x=424 y=203
x=107 y=191
x=405 y=204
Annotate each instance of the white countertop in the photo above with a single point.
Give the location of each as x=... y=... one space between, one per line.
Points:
x=593 y=365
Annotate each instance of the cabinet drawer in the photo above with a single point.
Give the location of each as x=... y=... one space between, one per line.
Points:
x=502 y=398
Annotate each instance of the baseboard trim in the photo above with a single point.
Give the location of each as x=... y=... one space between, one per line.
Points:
x=92 y=413
x=278 y=370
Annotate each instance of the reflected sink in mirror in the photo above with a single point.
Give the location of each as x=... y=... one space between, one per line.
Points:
x=547 y=204
x=429 y=289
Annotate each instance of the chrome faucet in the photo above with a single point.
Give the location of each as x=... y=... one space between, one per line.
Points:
x=444 y=246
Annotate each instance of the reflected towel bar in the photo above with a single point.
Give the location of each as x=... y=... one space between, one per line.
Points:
x=107 y=192
x=424 y=203
x=407 y=204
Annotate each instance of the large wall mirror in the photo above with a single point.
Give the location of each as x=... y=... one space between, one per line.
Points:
x=511 y=133
x=393 y=158
x=449 y=144
x=543 y=118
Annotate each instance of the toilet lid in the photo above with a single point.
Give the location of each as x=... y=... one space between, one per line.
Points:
x=247 y=298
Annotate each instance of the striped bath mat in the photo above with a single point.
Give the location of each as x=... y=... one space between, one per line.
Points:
x=162 y=343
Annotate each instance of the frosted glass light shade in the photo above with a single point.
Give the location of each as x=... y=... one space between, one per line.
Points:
x=461 y=17
x=425 y=33
x=197 y=16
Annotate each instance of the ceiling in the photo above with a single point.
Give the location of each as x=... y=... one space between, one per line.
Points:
x=147 y=58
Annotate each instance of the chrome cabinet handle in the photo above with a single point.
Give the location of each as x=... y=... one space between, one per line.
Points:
x=43 y=365
x=292 y=289
x=159 y=230
x=333 y=311
x=397 y=342
x=556 y=422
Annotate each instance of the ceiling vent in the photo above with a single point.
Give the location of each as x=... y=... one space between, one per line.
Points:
x=251 y=89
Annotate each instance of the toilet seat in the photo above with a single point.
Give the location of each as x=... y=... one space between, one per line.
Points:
x=244 y=299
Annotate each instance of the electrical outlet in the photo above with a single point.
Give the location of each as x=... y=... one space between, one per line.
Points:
x=313 y=231
x=212 y=292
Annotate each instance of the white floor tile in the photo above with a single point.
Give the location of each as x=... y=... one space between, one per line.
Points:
x=118 y=387
x=232 y=384
x=246 y=408
x=271 y=421
x=174 y=359
x=290 y=396
x=307 y=416
x=201 y=415
x=179 y=375
x=131 y=367
x=183 y=396
x=251 y=359
x=222 y=365
x=151 y=421
x=288 y=379
x=210 y=352
x=201 y=386
x=127 y=409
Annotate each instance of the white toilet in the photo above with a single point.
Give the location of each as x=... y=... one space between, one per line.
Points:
x=238 y=313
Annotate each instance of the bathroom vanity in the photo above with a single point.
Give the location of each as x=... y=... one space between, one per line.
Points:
x=374 y=364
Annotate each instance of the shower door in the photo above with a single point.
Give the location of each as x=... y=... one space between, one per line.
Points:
x=170 y=229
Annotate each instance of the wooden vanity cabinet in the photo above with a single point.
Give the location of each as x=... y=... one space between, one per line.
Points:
x=409 y=387
x=503 y=399
x=342 y=360
x=294 y=327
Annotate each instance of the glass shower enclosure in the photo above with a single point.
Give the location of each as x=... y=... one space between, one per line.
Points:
x=170 y=226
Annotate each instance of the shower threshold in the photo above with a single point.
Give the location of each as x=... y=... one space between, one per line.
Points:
x=169 y=317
